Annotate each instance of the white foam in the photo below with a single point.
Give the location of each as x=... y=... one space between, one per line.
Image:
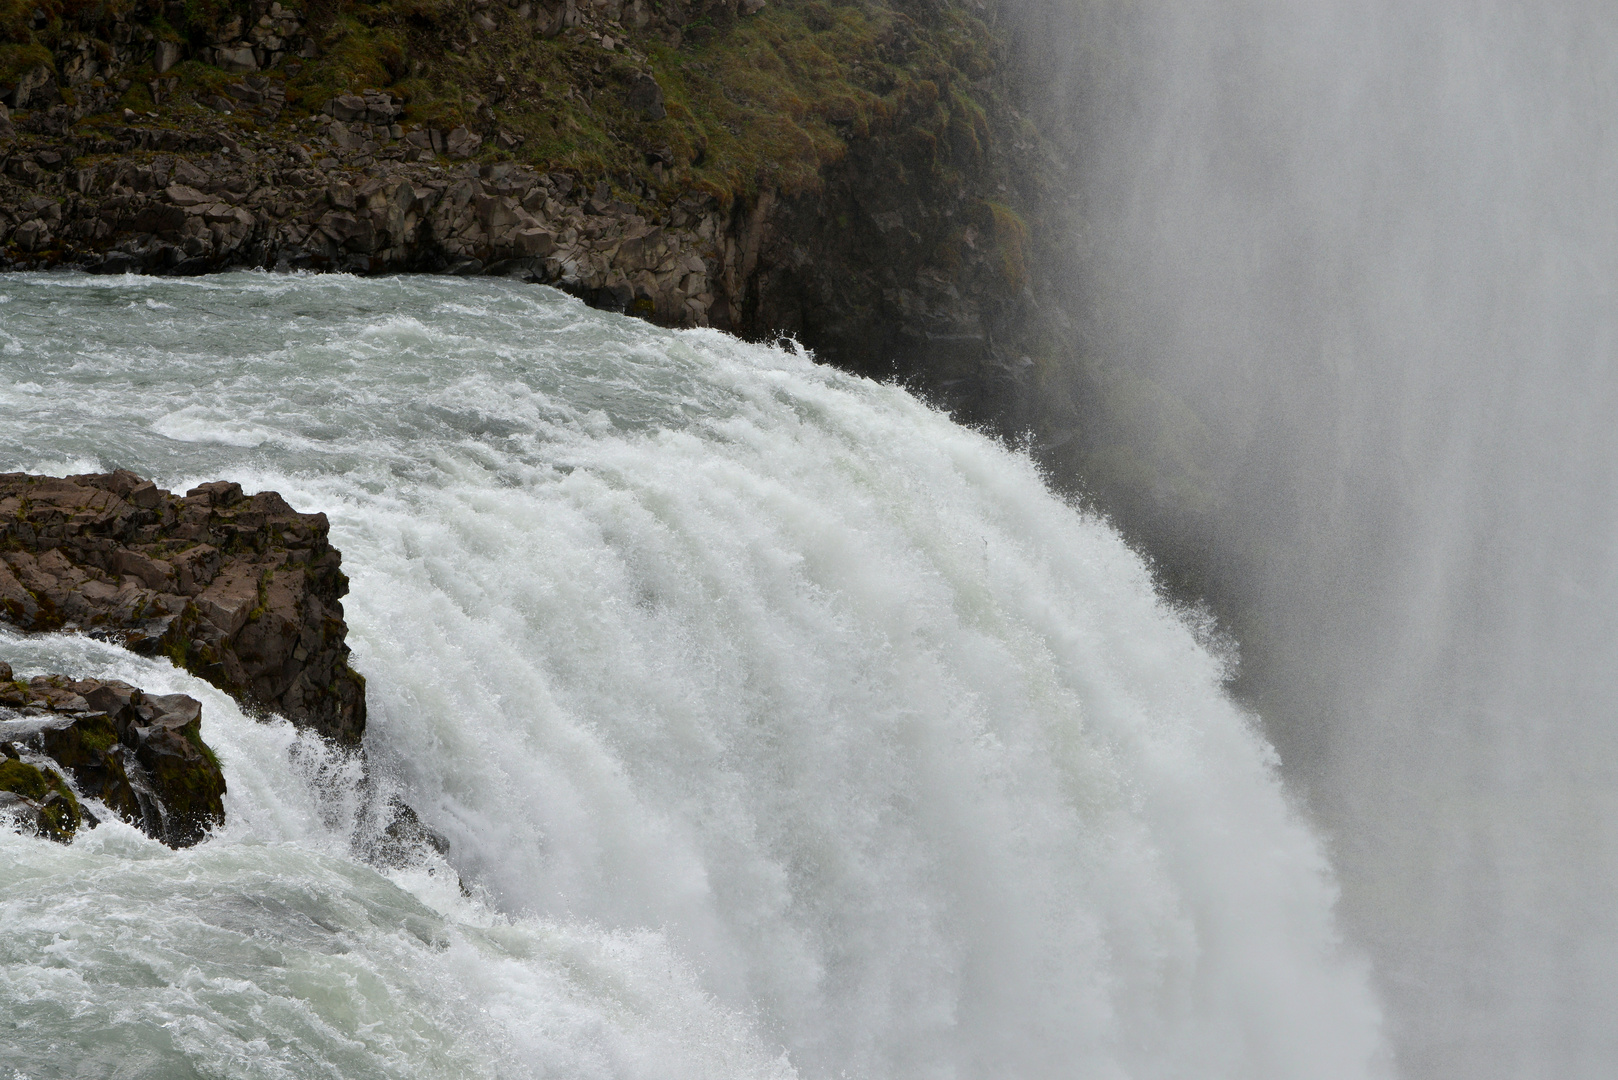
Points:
x=196 y=424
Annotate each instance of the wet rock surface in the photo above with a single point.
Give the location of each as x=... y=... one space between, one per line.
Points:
x=242 y=591
x=139 y=755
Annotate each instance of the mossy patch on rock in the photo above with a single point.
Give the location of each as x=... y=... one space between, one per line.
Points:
x=41 y=800
x=141 y=755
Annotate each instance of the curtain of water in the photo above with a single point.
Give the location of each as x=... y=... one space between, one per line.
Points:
x=776 y=723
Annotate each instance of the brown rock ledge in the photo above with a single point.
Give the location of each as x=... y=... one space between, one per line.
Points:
x=242 y=591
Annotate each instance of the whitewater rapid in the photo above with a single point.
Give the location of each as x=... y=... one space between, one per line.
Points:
x=778 y=725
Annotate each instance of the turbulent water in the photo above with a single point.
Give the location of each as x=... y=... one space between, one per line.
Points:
x=779 y=727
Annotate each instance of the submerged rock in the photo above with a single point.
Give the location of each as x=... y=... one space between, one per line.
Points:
x=240 y=590
x=402 y=838
x=139 y=754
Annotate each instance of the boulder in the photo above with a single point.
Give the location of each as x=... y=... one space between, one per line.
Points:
x=236 y=58
x=381 y=108
x=535 y=242
x=141 y=755
x=166 y=55
x=345 y=107
x=242 y=591
x=462 y=143
x=182 y=195
x=646 y=97
x=34 y=89
x=403 y=838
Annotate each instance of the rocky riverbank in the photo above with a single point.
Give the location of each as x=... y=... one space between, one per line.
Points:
x=242 y=591
x=153 y=200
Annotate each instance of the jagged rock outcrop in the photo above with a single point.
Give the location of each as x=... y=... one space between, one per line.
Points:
x=242 y=591
x=140 y=755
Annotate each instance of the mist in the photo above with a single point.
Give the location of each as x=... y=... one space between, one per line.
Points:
x=1364 y=257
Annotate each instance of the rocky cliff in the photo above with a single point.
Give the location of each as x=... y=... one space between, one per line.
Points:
x=854 y=175
x=242 y=591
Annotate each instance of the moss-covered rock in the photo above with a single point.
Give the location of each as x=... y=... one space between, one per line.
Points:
x=141 y=755
x=38 y=799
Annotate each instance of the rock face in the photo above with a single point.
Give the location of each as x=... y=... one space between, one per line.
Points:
x=242 y=591
x=891 y=261
x=171 y=201
x=141 y=755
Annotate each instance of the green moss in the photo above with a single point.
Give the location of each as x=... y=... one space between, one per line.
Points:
x=19 y=58
x=1010 y=235
x=164 y=31
x=355 y=56
x=97 y=736
x=207 y=14
x=193 y=734
x=768 y=99
x=47 y=788
x=192 y=791
x=23 y=779
x=263 y=604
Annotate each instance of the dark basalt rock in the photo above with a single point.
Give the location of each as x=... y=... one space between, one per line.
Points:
x=142 y=755
x=402 y=838
x=242 y=591
x=37 y=799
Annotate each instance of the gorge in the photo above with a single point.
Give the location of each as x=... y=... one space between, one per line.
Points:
x=776 y=725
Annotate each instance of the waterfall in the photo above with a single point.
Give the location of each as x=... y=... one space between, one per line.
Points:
x=778 y=726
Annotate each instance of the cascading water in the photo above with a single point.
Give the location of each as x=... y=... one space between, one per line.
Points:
x=778 y=725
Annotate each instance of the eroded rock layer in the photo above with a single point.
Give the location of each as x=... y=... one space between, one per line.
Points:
x=242 y=591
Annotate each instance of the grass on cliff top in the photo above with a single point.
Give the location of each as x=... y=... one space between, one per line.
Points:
x=767 y=99
x=780 y=96
x=763 y=100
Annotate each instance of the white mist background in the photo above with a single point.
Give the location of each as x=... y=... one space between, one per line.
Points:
x=1373 y=246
